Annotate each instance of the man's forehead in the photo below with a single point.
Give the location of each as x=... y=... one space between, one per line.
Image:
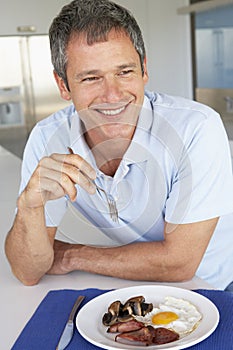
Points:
x=86 y=38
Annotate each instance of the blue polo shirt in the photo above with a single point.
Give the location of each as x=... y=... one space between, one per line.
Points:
x=176 y=169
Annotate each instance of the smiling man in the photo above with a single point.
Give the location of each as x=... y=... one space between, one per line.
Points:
x=155 y=154
x=106 y=84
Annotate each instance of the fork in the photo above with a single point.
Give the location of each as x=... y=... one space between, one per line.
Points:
x=109 y=198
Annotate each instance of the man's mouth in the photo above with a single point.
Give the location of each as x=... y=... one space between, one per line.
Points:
x=111 y=112
x=111 y=109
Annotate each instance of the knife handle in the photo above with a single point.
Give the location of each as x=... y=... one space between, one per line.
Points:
x=75 y=307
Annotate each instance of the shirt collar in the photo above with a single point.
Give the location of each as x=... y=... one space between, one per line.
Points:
x=78 y=142
x=137 y=151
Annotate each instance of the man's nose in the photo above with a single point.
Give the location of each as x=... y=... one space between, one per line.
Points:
x=112 y=90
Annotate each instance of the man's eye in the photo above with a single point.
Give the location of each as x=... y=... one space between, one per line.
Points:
x=90 y=79
x=126 y=72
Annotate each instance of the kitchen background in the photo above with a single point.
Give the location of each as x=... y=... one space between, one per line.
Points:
x=213 y=31
x=189 y=47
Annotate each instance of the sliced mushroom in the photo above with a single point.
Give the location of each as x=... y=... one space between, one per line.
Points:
x=111 y=316
x=109 y=319
x=134 y=306
x=146 y=307
x=125 y=318
x=139 y=299
x=137 y=308
x=114 y=308
x=127 y=308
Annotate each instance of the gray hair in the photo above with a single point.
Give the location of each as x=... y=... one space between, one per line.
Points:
x=95 y=19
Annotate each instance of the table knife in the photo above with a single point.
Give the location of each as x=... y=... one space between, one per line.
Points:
x=67 y=333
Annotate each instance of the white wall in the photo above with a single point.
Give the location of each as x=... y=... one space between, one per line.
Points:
x=166 y=34
x=169 y=53
x=167 y=38
x=21 y=13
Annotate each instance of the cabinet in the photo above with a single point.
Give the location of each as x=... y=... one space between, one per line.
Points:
x=28 y=16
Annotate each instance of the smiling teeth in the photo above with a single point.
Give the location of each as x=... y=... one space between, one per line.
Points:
x=112 y=111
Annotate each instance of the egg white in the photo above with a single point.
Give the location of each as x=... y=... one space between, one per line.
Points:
x=188 y=315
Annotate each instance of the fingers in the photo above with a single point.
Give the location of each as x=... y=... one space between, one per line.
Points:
x=69 y=170
x=56 y=185
x=56 y=176
x=77 y=162
x=67 y=176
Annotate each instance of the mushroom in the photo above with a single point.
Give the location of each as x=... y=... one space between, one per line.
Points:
x=139 y=299
x=127 y=308
x=114 y=308
x=134 y=306
x=146 y=307
x=137 y=308
x=125 y=317
x=111 y=316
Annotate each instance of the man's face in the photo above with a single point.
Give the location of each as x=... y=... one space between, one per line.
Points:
x=106 y=85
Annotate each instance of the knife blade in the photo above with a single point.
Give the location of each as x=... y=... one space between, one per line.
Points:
x=67 y=333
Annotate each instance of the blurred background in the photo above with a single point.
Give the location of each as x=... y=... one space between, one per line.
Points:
x=189 y=50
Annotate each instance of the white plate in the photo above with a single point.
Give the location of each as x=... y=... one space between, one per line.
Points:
x=89 y=318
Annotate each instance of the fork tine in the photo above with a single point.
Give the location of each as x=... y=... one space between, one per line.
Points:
x=111 y=202
x=111 y=208
x=114 y=212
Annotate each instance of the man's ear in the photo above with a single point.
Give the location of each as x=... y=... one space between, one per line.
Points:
x=145 y=74
x=64 y=92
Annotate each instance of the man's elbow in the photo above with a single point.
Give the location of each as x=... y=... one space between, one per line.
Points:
x=32 y=276
x=186 y=272
x=30 y=283
x=25 y=279
x=28 y=271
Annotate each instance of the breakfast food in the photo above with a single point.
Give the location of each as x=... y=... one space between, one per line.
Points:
x=118 y=312
x=175 y=314
x=147 y=335
x=138 y=322
x=128 y=326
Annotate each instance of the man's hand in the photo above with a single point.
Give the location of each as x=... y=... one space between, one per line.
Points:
x=62 y=264
x=56 y=176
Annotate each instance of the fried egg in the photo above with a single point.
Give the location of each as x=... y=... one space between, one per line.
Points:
x=176 y=314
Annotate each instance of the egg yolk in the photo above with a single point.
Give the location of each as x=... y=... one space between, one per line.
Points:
x=164 y=317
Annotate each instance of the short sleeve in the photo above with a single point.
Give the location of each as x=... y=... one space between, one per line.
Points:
x=203 y=185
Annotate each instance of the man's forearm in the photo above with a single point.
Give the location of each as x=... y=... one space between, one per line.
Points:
x=149 y=261
x=176 y=258
x=28 y=247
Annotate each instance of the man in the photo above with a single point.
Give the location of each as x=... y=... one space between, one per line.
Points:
x=164 y=160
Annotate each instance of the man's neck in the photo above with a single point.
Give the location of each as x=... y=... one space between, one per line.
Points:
x=108 y=153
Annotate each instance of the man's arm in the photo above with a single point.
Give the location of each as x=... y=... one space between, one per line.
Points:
x=29 y=244
x=174 y=259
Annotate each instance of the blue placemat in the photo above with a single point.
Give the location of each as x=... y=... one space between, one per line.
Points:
x=44 y=329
